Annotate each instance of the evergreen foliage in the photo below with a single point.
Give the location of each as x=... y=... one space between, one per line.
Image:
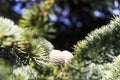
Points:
x=37 y=20
x=40 y=49
x=5 y=70
x=25 y=49
x=114 y=71
x=30 y=55
x=14 y=46
x=10 y=35
x=101 y=45
x=23 y=73
x=24 y=53
x=97 y=49
x=9 y=32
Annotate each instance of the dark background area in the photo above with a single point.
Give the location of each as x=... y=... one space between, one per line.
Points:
x=73 y=19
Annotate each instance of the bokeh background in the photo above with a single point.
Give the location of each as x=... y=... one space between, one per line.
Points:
x=73 y=19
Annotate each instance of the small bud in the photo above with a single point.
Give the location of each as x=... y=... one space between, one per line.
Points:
x=60 y=58
x=56 y=57
x=67 y=56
